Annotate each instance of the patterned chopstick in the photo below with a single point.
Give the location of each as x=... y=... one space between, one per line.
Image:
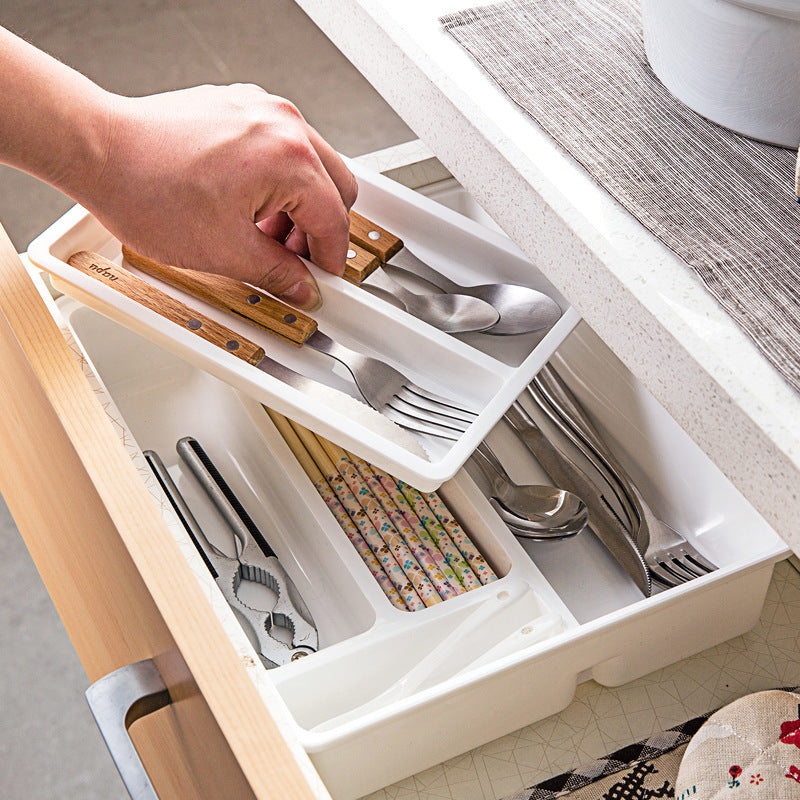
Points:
x=399 y=592
x=432 y=561
x=478 y=563
x=389 y=495
x=412 y=557
x=464 y=572
x=390 y=550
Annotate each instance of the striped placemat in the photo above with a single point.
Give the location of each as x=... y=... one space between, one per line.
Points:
x=723 y=203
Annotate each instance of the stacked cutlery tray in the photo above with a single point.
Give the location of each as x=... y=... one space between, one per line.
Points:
x=566 y=611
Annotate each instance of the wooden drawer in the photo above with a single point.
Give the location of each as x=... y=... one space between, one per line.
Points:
x=116 y=576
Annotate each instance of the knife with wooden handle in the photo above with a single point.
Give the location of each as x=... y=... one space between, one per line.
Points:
x=123 y=281
x=230 y=295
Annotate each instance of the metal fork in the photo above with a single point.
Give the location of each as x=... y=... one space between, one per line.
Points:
x=670 y=558
x=389 y=391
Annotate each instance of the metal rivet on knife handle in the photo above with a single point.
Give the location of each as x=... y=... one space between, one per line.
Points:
x=230 y=295
x=119 y=279
x=373 y=238
x=360 y=264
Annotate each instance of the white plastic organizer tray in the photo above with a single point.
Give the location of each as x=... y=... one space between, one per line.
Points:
x=561 y=612
x=484 y=373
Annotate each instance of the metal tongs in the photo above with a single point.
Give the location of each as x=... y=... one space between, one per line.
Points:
x=252 y=562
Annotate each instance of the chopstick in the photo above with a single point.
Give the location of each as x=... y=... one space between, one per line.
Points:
x=393 y=502
x=405 y=555
x=455 y=558
x=408 y=539
x=395 y=590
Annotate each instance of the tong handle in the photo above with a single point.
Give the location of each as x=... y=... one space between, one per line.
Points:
x=230 y=295
x=373 y=238
x=118 y=278
x=360 y=263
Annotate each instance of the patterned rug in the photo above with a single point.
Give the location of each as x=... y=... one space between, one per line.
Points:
x=639 y=771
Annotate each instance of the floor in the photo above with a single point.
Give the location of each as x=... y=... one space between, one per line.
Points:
x=49 y=745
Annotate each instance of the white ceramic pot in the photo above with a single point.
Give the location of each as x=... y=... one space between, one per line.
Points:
x=736 y=62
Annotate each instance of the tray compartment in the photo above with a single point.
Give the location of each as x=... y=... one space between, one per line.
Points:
x=483 y=372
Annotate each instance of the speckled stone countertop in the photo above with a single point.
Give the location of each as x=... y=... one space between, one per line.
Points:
x=643 y=301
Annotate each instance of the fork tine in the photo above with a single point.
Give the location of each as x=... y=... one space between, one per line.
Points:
x=673 y=566
x=699 y=561
x=663 y=576
x=412 y=423
x=465 y=413
x=426 y=410
x=677 y=575
x=426 y=415
x=681 y=563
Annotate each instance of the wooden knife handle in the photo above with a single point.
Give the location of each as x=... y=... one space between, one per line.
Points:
x=118 y=278
x=373 y=238
x=360 y=263
x=231 y=295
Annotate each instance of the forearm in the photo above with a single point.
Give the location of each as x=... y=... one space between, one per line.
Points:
x=54 y=122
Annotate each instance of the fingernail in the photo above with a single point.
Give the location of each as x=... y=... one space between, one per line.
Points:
x=303 y=295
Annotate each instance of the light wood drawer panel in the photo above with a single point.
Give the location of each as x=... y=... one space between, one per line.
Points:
x=116 y=576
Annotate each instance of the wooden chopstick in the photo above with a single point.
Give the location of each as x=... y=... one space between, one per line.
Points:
x=392 y=592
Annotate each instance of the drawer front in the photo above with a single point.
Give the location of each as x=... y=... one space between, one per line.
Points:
x=115 y=574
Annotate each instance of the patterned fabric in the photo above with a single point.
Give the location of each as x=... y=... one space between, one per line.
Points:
x=647 y=769
x=649 y=764
x=723 y=203
x=749 y=750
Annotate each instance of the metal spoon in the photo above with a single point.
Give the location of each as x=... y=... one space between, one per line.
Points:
x=452 y=313
x=524 y=529
x=535 y=509
x=521 y=309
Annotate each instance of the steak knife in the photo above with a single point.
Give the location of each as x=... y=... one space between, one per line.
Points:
x=567 y=475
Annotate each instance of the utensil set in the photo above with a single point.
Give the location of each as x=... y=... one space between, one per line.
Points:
x=416 y=551
x=253 y=561
x=500 y=309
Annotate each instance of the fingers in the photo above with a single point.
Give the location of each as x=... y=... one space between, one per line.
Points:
x=343 y=179
x=268 y=264
x=310 y=197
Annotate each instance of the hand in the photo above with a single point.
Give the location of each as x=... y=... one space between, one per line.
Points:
x=224 y=179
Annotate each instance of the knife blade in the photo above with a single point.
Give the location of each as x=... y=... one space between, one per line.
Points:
x=567 y=475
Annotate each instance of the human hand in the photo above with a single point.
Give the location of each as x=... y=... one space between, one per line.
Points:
x=224 y=179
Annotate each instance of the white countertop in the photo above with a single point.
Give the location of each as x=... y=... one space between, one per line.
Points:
x=647 y=304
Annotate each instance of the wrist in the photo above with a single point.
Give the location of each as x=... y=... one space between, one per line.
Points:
x=89 y=132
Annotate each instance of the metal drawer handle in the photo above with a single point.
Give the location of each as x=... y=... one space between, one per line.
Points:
x=117 y=701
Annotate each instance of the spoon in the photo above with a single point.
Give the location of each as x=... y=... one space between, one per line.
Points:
x=452 y=313
x=527 y=530
x=521 y=309
x=542 y=510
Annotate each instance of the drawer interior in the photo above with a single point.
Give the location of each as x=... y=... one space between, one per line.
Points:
x=453 y=676
x=568 y=600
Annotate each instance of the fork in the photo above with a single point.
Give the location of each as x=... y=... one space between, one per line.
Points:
x=383 y=387
x=670 y=558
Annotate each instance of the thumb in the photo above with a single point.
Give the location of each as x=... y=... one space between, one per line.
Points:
x=271 y=266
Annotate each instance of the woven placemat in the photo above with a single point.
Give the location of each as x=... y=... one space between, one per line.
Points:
x=723 y=203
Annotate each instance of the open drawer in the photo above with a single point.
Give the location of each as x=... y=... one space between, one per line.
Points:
x=572 y=616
